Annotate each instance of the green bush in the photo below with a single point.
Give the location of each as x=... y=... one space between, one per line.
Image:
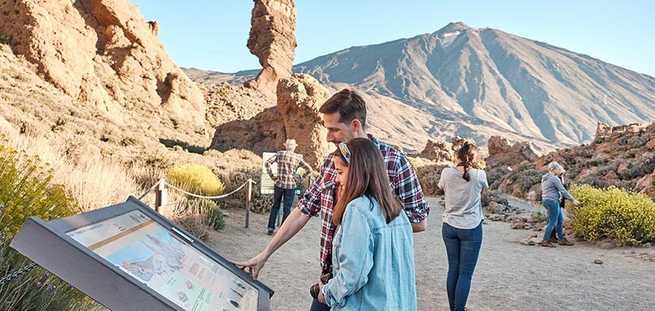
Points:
x=26 y=190
x=215 y=218
x=195 y=178
x=613 y=213
x=5 y=39
x=539 y=216
x=260 y=203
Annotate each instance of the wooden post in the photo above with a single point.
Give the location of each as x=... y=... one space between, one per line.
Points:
x=160 y=195
x=248 y=200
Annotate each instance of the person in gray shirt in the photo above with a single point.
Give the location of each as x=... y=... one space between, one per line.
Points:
x=552 y=190
x=462 y=222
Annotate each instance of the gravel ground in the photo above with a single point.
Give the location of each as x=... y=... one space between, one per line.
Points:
x=509 y=276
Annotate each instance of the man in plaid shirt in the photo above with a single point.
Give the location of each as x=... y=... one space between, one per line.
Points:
x=344 y=116
x=288 y=163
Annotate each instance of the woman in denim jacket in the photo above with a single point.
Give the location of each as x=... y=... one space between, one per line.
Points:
x=373 y=251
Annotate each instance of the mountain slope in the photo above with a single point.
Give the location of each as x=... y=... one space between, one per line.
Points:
x=477 y=81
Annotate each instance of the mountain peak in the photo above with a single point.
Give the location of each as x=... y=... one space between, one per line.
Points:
x=454 y=26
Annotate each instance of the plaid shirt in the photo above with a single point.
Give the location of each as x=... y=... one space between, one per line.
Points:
x=287 y=164
x=321 y=196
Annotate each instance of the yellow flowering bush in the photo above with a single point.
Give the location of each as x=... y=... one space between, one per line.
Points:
x=613 y=213
x=195 y=178
x=26 y=190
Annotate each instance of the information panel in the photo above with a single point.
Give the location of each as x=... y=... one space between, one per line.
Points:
x=267 y=184
x=141 y=247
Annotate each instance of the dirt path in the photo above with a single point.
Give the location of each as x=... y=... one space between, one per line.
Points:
x=509 y=276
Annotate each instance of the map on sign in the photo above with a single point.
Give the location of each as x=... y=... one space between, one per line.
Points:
x=146 y=250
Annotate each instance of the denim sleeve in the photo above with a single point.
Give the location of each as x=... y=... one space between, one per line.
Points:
x=355 y=258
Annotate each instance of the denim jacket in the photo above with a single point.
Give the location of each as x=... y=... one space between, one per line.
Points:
x=373 y=262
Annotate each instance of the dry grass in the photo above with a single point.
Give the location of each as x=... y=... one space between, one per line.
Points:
x=93 y=181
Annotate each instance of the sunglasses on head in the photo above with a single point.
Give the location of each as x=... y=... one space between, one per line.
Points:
x=345 y=152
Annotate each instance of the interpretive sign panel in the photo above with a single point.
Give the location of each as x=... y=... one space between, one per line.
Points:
x=128 y=257
x=267 y=184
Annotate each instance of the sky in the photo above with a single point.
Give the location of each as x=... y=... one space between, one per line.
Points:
x=212 y=34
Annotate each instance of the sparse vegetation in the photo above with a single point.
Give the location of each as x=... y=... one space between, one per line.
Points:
x=26 y=190
x=612 y=213
x=215 y=218
x=196 y=178
x=538 y=216
x=5 y=39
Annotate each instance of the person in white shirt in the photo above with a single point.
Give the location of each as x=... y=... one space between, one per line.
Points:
x=462 y=222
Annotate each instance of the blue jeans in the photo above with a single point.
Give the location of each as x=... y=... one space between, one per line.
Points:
x=555 y=219
x=278 y=194
x=317 y=306
x=463 y=248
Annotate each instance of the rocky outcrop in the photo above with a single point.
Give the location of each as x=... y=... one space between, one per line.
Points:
x=646 y=185
x=602 y=130
x=298 y=101
x=504 y=158
x=622 y=156
x=262 y=133
x=295 y=116
x=273 y=40
x=103 y=54
x=428 y=176
x=438 y=151
x=501 y=151
x=226 y=103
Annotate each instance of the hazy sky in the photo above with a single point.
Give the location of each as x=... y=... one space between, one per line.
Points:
x=212 y=34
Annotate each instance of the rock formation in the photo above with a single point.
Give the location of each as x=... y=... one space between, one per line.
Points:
x=298 y=101
x=262 y=133
x=646 y=185
x=437 y=150
x=621 y=156
x=295 y=116
x=502 y=152
x=102 y=53
x=273 y=40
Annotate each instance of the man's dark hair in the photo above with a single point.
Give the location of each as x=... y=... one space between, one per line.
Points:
x=348 y=104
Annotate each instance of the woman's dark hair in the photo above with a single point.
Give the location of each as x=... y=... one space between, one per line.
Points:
x=367 y=175
x=465 y=156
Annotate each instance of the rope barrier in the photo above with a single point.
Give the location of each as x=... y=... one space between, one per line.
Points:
x=211 y=197
x=197 y=195
x=161 y=194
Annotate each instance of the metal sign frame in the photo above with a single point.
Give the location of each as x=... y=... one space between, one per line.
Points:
x=48 y=245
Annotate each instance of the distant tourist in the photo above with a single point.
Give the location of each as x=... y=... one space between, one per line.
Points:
x=552 y=191
x=562 y=205
x=288 y=162
x=373 y=248
x=344 y=116
x=462 y=222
